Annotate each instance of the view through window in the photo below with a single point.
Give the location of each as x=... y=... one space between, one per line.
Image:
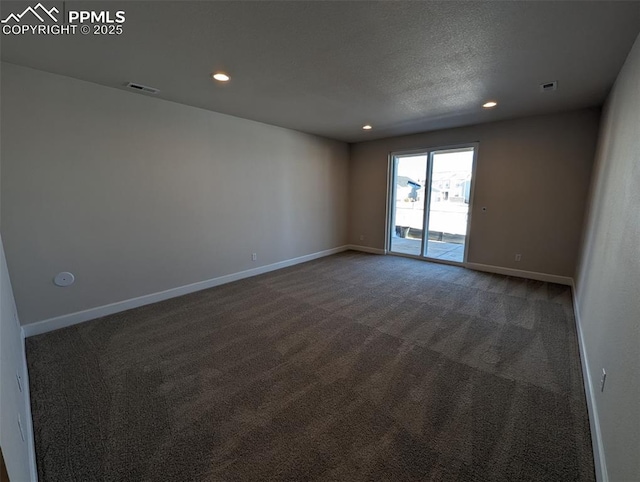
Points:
x=432 y=189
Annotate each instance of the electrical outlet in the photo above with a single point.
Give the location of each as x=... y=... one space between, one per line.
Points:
x=518 y=257
x=19 y=381
x=362 y=237
x=20 y=427
x=254 y=256
x=603 y=379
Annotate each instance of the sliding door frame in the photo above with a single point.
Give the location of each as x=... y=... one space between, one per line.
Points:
x=391 y=195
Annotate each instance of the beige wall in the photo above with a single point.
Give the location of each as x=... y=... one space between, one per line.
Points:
x=136 y=195
x=608 y=281
x=532 y=175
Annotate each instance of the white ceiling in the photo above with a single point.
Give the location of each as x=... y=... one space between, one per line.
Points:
x=328 y=68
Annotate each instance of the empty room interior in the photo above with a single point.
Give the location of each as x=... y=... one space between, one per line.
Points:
x=342 y=241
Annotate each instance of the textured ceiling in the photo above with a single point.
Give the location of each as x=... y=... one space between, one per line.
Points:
x=327 y=67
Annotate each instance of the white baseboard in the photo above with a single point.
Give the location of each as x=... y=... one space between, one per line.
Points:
x=366 y=249
x=550 y=278
x=26 y=389
x=63 y=321
x=594 y=421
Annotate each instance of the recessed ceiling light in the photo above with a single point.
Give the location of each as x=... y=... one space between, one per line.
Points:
x=367 y=127
x=489 y=105
x=221 y=76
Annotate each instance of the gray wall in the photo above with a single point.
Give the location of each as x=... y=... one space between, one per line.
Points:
x=13 y=402
x=608 y=281
x=532 y=175
x=136 y=195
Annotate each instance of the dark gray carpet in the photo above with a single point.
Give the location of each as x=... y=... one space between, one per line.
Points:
x=352 y=367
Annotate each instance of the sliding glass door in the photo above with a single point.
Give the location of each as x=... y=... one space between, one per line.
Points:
x=431 y=189
x=410 y=174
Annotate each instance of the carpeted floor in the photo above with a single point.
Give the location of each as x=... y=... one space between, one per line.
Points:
x=352 y=367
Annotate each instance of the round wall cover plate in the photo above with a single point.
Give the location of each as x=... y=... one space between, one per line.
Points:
x=64 y=279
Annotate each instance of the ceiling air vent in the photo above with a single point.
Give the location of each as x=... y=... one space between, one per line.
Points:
x=549 y=86
x=142 y=88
